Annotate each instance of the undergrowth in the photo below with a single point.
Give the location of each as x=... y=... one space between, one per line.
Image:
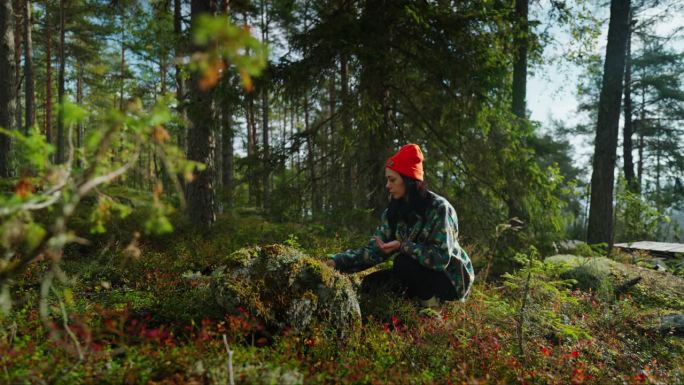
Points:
x=143 y=312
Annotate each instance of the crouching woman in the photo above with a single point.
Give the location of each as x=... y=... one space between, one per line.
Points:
x=419 y=230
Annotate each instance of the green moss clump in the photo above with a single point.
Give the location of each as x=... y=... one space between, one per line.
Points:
x=286 y=289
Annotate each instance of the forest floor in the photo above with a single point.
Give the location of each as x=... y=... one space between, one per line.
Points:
x=144 y=313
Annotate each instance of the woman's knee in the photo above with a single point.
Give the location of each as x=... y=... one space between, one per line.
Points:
x=404 y=264
x=379 y=281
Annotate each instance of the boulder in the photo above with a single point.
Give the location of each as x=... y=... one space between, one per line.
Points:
x=671 y=323
x=590 y=273
x=600 y=273
x=286 y=289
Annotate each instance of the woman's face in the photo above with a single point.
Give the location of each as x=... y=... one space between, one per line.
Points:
x=395 y=184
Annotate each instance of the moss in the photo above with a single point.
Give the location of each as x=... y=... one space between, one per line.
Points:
x=286 y=288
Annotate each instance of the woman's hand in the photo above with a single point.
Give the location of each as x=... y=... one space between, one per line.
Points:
x=388 y=247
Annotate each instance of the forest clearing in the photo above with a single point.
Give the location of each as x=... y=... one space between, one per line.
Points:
x=341 y=192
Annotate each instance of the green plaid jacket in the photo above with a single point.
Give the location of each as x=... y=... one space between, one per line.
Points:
x=432 y=241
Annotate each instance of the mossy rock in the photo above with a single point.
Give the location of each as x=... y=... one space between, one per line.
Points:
x=590 y=273
x=286 y=289
x=652 y=288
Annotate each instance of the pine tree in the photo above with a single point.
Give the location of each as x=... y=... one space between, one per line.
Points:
x=600 y=228
x=7 y=84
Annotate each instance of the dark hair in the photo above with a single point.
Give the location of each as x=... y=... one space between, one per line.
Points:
x=415 y=202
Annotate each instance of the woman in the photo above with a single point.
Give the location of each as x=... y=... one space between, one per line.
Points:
x=420 y=230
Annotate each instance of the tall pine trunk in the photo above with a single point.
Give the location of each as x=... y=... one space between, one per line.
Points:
x=123 y=60
x=627 y=129
x=520 y=63
x=180 y=82
x=60 y=87
x=201 y=195
x=254 y=200
x=29 y=94
x=658 y=167
x=378 y=19
x=265 y=143
x=347 y=154
x=79 y=100
x=7 y=83
x=310 y=161
x=228 y=153
x=333 y=198
x=600 y=228
x=18 y=37
x=265 y=131
x=48 y=73
x=514 y=200
x=642 y=128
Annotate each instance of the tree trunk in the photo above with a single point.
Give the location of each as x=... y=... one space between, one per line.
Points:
x=162 y=73
x=29 y=96
x=658 y=167
x=18 y=37
x=228 y=153
x=264 y=115
x=347 y=154
x=218 y=152
x=293 y=158
x=640 y=165
x=123 y=61
x=265 y=142
x=627 y=130
x=201 y=140
x=60 y=88
x=377 y=19
x=79 y=101
x=310 y=160
x=333 y=199
x=180 y=82
x=520 y=63
x=48 y=76
x=250 y=147
x=642 y=127
x=7 y=83
x=513 y=175
x=600 y=227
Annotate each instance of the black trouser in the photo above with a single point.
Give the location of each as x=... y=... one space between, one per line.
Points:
x=409 y=278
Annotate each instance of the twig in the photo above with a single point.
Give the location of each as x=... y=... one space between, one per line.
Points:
x=44 y=292
x=174 y=178
x=521 y=316
x=89 y=185
x=624 y=288
x=13 y=334
x=55 y=193
x=230 y=361
x=65 y=319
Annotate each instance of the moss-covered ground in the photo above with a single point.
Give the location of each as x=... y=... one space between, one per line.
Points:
x=145 y=313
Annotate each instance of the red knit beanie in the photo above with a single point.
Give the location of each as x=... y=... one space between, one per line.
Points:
x=408 y=161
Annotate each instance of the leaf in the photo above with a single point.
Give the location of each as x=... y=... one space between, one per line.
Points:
x=34 y=235
x=160 y=135
x=23 y=188
x=158 y=225
x=73 y=113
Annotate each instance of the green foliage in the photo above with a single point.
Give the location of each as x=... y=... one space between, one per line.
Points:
x=586 y=250
x=292 y=241
x=32 y=150
x=36 y=215
x=636 y=219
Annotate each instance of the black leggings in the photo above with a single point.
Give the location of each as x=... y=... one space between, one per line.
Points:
x=411 y=279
